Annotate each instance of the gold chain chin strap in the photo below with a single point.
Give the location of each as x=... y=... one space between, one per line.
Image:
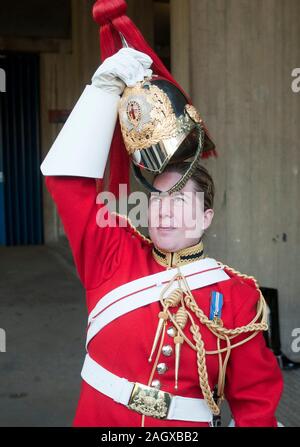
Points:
x=188 y=174
x=221 y=333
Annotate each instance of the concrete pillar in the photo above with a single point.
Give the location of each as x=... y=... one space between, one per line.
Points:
x=180 y=42
x=85 y=42
x=141 y=12
x=242 y=53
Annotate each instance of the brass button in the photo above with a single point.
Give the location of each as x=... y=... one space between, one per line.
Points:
x=156 y=384
x=161 y=368
x=171 y=331
x=167 y=350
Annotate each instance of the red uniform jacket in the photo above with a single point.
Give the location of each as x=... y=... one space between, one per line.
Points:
x=106 y=258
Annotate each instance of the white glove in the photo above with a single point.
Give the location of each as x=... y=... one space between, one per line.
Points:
x=126 y=67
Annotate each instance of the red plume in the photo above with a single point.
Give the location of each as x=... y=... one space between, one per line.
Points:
x=112 y=19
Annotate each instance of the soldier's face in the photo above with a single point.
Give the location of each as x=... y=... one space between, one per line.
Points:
x=178 y=220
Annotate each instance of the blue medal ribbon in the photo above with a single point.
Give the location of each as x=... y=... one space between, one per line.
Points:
x=216 y=305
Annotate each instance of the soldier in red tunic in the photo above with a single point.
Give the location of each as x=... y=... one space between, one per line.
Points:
x=171 y=332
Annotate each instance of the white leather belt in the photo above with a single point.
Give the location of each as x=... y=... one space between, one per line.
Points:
x=144 y=399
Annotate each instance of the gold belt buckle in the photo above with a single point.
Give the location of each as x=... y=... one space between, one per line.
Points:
x=150 y=401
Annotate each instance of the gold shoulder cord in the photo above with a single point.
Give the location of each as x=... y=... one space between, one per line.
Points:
x=133 y=228
x=182 y=297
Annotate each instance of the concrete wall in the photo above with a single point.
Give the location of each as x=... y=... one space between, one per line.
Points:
x=241 y=55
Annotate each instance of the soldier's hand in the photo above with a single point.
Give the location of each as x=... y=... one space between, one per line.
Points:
x=126 y=67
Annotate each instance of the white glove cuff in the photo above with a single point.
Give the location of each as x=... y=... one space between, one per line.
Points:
x=82 y=146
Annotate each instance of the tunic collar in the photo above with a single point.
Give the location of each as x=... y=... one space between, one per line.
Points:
x=180 y=257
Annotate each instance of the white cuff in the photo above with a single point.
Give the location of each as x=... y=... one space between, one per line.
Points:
x=82 y=146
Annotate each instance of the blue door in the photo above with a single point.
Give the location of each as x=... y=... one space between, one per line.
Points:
x=2 y=206
x=21 y=221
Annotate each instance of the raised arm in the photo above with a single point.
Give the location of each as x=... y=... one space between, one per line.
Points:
x=94 y=249
x=79 y=155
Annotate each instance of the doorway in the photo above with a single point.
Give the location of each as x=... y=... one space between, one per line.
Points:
x=21 y=211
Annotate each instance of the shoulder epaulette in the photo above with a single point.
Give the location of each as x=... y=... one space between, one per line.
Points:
x=132 y=229
x=250 y=280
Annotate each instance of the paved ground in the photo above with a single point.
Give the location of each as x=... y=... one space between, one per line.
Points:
x=42 y=310
x=44 y=316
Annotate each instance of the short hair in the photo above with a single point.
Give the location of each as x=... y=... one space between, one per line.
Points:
x=202 y=180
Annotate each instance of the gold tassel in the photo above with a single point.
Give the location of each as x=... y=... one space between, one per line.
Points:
x=178 y=340
x=174 y=298
x=163 y=316
x=181 y=319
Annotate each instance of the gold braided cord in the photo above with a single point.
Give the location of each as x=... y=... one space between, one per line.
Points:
x=222 y=370
x=222 y=332
x=257 y=324
x=174 y=298
x=181 y=317
x=146 y=239
x=236 y=272
x=202 y=369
